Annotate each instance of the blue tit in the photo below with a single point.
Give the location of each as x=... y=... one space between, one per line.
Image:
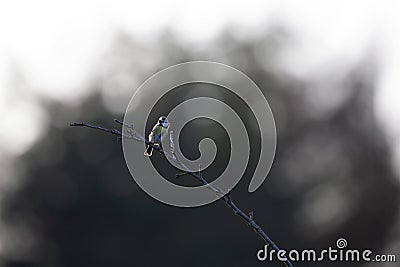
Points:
x=157 y=134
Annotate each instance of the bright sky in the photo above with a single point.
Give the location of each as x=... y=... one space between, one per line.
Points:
x=55 y=43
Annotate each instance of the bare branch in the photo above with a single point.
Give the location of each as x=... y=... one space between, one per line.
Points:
x=112 y=131
x=226 y=197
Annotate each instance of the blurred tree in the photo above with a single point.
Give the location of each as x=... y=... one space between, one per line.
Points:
x=78 y=206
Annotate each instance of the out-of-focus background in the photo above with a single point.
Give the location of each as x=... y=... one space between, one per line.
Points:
x=329 y=69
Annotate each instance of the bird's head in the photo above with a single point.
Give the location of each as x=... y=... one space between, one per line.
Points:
x=163 y=121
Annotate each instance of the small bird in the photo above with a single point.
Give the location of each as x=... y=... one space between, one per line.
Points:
x=157 y=134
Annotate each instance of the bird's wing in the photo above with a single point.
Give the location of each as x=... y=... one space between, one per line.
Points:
x=157 y=130
x=164 y=131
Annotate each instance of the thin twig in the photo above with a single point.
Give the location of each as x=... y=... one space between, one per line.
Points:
x=179 y=175
x=226 y=197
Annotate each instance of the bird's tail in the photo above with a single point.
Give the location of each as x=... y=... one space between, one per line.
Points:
x=149 y=151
